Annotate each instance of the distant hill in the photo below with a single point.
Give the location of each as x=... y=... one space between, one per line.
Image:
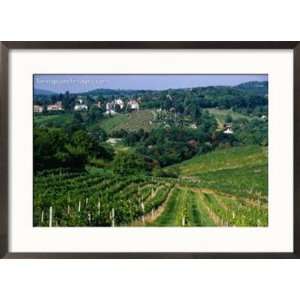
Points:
x=40 y=92
x=111 y=92
x=254 y=87
x=248 y=86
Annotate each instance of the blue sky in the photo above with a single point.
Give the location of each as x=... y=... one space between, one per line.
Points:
x=83 y=83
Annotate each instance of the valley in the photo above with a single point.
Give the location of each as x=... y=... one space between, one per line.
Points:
x=182 y=157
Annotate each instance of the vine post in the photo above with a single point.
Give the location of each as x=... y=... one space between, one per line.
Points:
x=50 y=216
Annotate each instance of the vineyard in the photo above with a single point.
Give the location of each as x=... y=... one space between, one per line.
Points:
x=150 y=150
x=240 y=171
x=72 y=199
x=219 y=197
x=130 y=122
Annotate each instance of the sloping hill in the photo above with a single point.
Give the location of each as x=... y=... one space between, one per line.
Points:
x=223 y=188
x=221 y=114
x=240 y=171
x=129 y=122
x=254 y=87
x=230 y=158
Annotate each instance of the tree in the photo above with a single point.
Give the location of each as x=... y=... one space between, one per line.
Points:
x=76 y=157
x=228 y=118
x=98 y=134
x=66 y=101
x=54 y=149
x=77 y=117
x=82 y=139
x=126 y=163
x=94 y=114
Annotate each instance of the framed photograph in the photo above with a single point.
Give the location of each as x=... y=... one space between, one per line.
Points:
x=149 y=149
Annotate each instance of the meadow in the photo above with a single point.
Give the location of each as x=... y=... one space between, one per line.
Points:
x=222 y=114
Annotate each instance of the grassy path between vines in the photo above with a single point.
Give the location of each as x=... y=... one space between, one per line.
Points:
x=154 y=214
x=188 y=206
x=184 y=208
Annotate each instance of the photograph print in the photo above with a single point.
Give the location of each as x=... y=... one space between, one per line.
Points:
x=150 y=150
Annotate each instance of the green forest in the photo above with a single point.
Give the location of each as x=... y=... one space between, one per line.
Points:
x=176 y=157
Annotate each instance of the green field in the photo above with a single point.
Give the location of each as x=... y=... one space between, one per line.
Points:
x=241 y=171
x=222 y=188
x=129 y=122
x=245 y=181
x=55 y=120
x=110 y=123
x=224 y=159
x=221 y=114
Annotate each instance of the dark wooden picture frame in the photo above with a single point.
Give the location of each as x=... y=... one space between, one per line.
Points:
x=5 y=47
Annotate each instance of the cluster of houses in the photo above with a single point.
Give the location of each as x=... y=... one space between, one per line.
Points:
x=118 y=104
x=51 y=107
x=111 y=108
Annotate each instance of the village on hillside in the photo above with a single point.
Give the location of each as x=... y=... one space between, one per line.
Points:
x=111 y=107
x=118 y=105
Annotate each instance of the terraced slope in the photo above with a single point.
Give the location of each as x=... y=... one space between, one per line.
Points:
x=223 y=188
x=196 y=207
x=241 y=171
x=129 y=122
x=224 y=159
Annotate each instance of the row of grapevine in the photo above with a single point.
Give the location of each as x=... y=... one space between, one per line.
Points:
x=94 y=200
